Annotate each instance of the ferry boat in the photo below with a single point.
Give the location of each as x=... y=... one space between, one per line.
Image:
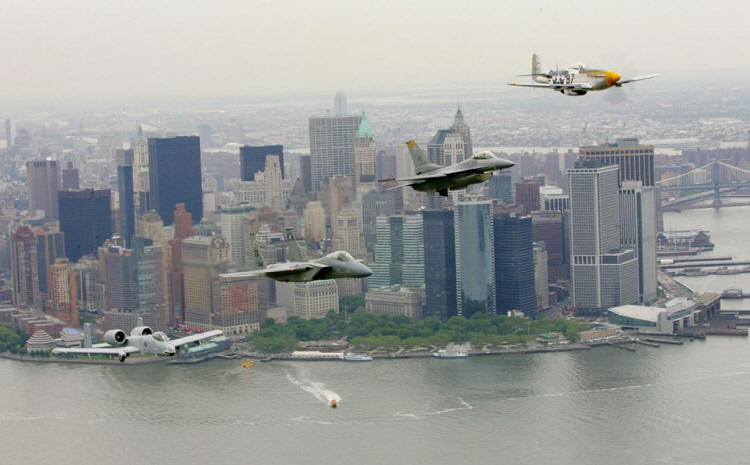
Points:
x=350 y=357
x=449 y=353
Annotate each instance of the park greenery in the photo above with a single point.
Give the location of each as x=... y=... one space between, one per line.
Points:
x=12 y=341
x=366 y=331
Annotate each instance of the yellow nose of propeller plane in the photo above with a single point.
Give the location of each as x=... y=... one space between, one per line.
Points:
x=611 y=78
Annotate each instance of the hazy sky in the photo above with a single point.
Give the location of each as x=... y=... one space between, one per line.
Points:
x=94 y=48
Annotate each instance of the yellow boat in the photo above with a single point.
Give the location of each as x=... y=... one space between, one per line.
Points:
x=248 y=364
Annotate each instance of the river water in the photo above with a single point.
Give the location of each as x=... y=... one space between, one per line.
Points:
x=674 y=404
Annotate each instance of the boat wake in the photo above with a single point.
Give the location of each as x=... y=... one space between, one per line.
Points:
x=464 y=406
x=318 y=390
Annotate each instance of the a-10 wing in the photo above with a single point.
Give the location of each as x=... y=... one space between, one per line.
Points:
x=97 y=350
x=196 y=337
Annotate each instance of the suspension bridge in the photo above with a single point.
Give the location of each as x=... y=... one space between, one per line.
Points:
x=714 y=180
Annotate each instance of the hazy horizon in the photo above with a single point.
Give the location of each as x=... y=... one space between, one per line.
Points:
x=81 y=48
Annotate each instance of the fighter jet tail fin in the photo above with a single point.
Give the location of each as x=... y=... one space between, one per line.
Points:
x=421 y=163
x=293 y=253
x=257 y=258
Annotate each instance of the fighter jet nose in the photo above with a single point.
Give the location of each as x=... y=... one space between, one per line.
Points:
x=611 y=77
x=365 y=271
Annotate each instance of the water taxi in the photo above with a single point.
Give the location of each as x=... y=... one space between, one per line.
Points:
x=333 y=403
x=248 y=364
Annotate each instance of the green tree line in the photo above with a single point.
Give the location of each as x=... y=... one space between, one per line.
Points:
x=12 y=341
x=366 y=330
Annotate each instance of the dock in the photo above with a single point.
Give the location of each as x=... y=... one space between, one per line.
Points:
x=643 y=342
x=663 y=341
x=622 y=346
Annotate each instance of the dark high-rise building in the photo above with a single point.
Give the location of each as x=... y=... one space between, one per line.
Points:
x=24 y=268
x=127 y=198
x=527 y=195
x=175 y=176
x=548 y=228
x=514 y=265
x=85 y=218
x=439 y=263
x=475 y=258
x=306 y=169
x=636 y=161
x=43 y=182
x=501 y=187
x=253 y=159
x=70 y=178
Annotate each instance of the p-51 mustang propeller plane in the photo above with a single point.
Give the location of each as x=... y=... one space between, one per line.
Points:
x=577 y=79
x=142 y=339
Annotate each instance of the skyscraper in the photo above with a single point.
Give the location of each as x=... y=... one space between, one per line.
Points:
x=151 y=282
x=638 y=232
x=85 y=218
x=514 y=264
x=272 y=180
x=374 y=204
x=126 y=194
x=62 y=299
x=117 y=271
x=203 y=258
x=439 y=263
x=10 y=133
x=43 y=182
x=24 y=267
x=527 y=195
x=305 y=166
x=399 y=251
x=475 y=258
x=140 y=163
x=235 y=227
x=332 y=147
x=349 y=237
x=541 y=281
x=365 y=152
x=50 y=245
x=315 y=221
x=70 y=178
x=253 y=159
x=636 y=161
x=500 y=187
x=446 y=147
x=548 y=228
x=603 y=274
x=340 y=106
x=175 y=176
x=460 y=126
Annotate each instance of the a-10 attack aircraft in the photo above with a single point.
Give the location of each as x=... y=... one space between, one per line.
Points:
x=433 y=178
x=338 y=264
x=577 y=79
x=142 y=339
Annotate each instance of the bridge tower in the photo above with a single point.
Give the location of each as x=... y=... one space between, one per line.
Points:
x=716 y=178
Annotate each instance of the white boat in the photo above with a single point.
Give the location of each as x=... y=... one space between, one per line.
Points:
x=449 y=353
x=349 y=357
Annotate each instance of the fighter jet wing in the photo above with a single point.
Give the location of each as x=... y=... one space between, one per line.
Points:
x=638 y=78
x=196 y=337
x=277 y=269
x=97 y=350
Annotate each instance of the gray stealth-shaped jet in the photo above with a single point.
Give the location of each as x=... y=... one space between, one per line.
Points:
x=441 y=179
x=335 y=265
